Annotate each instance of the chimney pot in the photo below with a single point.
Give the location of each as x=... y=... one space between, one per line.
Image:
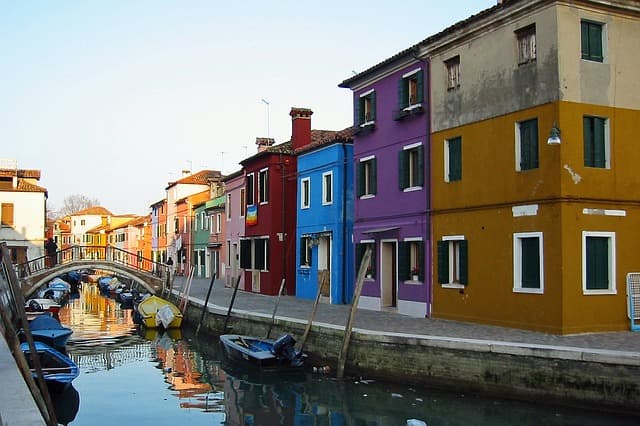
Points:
x=300 y=127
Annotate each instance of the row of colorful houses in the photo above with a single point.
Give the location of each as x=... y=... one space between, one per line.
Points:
x=490 y=168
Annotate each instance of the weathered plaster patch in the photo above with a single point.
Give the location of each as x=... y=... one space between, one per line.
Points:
x=574 y=176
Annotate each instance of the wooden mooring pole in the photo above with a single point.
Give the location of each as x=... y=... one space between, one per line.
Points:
x=206 y=301
x=323 y=281
x=233 y=299
x=364 y=264
x=275 y=308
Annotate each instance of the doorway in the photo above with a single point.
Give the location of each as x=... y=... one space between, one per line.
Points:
x=388 y=274
x=324 y=264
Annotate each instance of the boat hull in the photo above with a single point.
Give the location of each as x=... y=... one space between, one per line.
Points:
x=258 y=353
x=57 y=368
x=149 y=309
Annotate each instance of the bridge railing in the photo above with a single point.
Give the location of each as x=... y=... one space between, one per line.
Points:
x=89 y=253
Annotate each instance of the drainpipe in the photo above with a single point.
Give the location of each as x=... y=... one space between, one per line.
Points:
x=428 y=260
x=283 y=213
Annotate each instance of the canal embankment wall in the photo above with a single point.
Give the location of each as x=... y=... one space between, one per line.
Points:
x=601 y=378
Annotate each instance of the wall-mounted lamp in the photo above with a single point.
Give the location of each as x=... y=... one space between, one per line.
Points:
x=554 y=135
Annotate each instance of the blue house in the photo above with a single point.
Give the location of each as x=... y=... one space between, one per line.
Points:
x=324 y=230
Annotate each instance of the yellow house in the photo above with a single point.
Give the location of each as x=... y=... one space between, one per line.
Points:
x=535 y=117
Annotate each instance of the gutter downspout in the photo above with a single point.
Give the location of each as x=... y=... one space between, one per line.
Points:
x=344 y=221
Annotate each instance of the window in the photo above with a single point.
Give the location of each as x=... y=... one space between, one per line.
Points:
x=452 y=261
x=176 y=224
x=410 y=89
x=528 y=272
x=243 y=202
x=598 y=262
x=250 y=192
x=305 y=251
x=7 y=214
x=592 y=49
x=263 y=186
x=526 y=44
x=596 y=142
x=228 y=207
x=360 y=250
x=453 y=159
x=327 y=188
x=366 y=109
x=305 y=193
x=83 y=222
x=254 y=254
x=410 y=166
x=453 y=72
x=218 y=223
x=367 y=177
x=527 y=145
x=411 y=260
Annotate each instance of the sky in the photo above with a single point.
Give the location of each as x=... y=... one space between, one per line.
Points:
x=112 y=99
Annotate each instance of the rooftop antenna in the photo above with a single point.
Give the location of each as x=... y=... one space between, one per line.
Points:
x=222 y=161
x=190 y=165
x=267 y=104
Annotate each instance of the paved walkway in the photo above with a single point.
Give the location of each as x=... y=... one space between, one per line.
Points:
x=390 y=323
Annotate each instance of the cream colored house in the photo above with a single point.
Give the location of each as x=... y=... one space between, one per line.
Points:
x=23 y=211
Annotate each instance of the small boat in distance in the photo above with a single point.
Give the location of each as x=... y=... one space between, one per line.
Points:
x=265 y=354
x=42 y=305
x=58 y=369
x=155 y=312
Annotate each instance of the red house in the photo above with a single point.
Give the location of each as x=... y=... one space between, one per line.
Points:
x=268 y=249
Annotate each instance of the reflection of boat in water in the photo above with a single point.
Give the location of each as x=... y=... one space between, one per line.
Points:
x=154 y=334
x=57 y=368
x=155 y=312
x=66 y=404
x=263 y=353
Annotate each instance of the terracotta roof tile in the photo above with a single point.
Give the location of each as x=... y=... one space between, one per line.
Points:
x=93 y=211
x=24 y=186
x=325 y=137
x=202 y=177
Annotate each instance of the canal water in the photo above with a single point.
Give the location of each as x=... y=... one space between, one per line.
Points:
x=135 y=377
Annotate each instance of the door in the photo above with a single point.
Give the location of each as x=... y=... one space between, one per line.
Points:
x=388 y=274
x=324 y=263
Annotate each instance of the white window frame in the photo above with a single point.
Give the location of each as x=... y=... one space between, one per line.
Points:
x=517 y=262
x=366 y=96
x=607 y=141
x=452 y=257
x=327 y=196
x=412 y=151
x=243 y=201
x=228 y=207
x=518 y=144
x=612 y=262
x=526 y=44
x=452 y=66
x=218 y=223
x=305 y=193
x=263 y=187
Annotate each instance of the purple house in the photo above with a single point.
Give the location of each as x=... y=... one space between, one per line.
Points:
x=391 y=185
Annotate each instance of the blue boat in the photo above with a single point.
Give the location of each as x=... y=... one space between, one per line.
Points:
x=45 y=328
x=58 y=369
x=265 y=354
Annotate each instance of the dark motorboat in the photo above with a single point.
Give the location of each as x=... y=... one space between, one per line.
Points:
x=264 y=354
x=47 y=329
x=57 y=368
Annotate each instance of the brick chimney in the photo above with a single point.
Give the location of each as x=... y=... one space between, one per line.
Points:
x=300 y=127
x=264 y=143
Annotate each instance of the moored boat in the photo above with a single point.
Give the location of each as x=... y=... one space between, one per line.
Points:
x=47 y=329
x=42 y=305
x=265 y=354
x=155 y=312
x=58 y=369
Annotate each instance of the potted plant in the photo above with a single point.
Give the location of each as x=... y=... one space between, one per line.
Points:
x=415 y=273
x=369 y=272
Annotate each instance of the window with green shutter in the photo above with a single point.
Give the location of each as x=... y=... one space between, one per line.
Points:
x=411 y=261
x=528 y=144
x=360 y=250
x=411 y=167
x=305 y=251
x=453 y=262
x=527 y=262
x=367 y=177
x=530 y=262
x=366 y=109
x=595 y=142
x=453 y=161
x=410 y=89
x=591 y=38
x=597 y=263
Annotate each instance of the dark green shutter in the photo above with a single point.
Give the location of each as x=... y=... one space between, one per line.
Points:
x=374 y=176
x=443 y=262
x=361 y=183
x=587 y=126
x=530 y=255
x=420 y=79
x=595 y=42
x=529 y=144
x=455 y=159
x=404 y=266
x=584 y=30
x=403 y=94
x=259 y=249
x=357 y=107
x=245 y=254
x=303 y=248
x=464 y=262
x=419 y=181
x=373 y=106
x=421 y=262
x=597 y=259
x=598 y=142
x=403 y=169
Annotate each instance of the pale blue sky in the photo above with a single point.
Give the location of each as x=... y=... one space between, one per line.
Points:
x=112 y=99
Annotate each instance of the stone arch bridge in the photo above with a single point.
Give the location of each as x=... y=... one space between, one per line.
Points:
x=37 y=272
